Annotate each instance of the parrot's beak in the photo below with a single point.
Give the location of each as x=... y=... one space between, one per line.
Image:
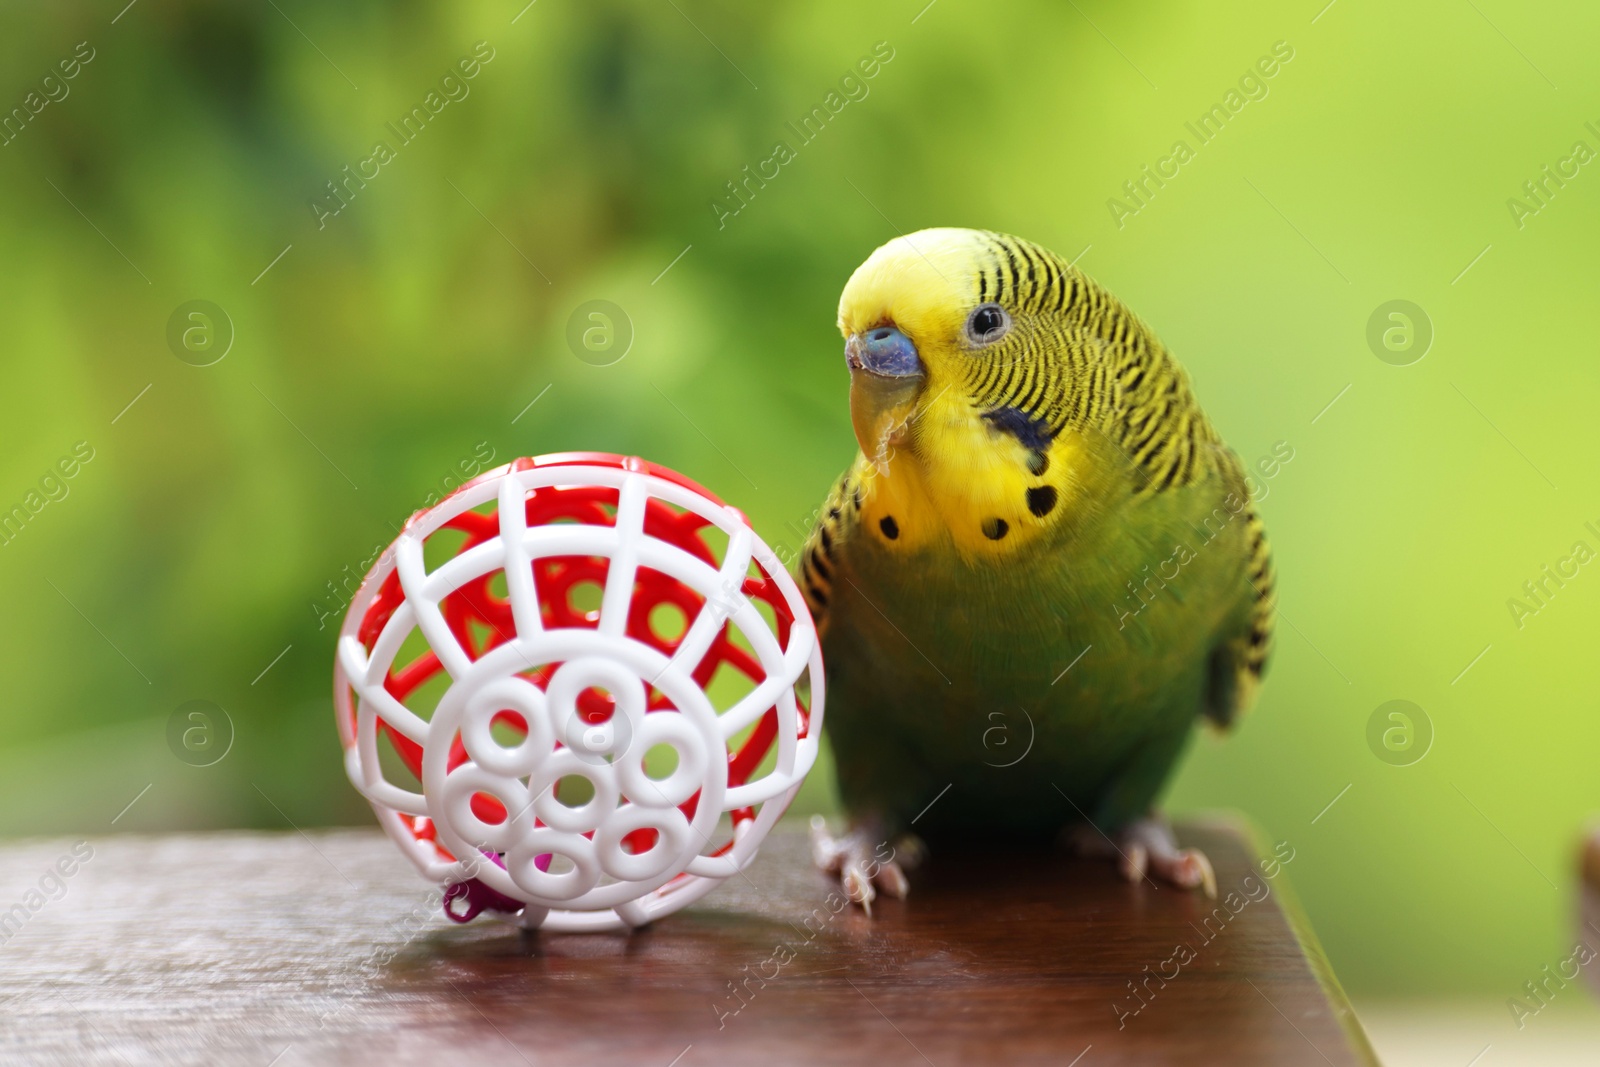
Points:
x=886 y=375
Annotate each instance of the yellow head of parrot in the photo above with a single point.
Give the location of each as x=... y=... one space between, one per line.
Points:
x=989 y=379
x=904 y=315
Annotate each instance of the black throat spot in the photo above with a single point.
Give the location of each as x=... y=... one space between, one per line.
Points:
x=1033 y=433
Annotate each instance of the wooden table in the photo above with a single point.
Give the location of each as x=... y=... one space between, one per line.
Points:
x=283 y=949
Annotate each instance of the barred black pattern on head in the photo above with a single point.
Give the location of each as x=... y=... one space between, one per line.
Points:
x=1077 y=356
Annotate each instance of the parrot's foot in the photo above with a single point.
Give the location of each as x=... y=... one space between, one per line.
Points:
x=863 y=859
x=1146 y=847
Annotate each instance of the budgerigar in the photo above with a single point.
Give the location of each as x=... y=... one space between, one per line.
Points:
x=1042 y=570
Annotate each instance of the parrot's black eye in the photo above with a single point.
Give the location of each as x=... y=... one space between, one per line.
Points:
x=988 y=323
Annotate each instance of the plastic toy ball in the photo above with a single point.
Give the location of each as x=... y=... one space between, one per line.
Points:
x=574 y=692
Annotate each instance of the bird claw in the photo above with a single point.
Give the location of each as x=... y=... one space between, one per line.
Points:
x=1193 y=870
x=1134 y=862
x=1146 y=848
x=860 y=864
x=909 y=852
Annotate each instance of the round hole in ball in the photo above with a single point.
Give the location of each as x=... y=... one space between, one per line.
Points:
x=584 y=597
x=488 y=809
x=641 y=840
x=508 y=728
x=555 y=863
x=596 y=705
x=660 y=761
x=574 y=791
x=667 y=621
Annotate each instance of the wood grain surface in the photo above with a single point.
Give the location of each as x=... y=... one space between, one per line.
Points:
x=272 y=950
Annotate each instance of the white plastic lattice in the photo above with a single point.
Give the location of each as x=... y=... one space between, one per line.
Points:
x=540 y=692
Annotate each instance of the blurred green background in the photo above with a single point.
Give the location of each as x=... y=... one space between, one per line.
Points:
x=191 y=557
